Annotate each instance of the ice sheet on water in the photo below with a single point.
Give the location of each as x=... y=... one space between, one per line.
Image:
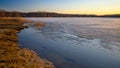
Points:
x=80 y=41
x=99 y=32
x=92 y=42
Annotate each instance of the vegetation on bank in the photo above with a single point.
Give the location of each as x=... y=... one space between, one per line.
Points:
x=48 y=14
x=11 y=55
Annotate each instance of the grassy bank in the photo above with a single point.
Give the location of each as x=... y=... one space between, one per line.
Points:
x=11 y=55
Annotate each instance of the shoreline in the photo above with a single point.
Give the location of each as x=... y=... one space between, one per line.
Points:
x=12 y=55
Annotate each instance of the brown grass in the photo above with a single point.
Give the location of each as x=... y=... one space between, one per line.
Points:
x=11 y=55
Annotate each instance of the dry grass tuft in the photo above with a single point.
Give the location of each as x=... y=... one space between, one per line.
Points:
x=11 y=55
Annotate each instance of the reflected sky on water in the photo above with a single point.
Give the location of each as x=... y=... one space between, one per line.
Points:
x=75 y=42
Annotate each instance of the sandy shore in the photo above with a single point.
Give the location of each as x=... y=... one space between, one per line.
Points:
x=11 y=55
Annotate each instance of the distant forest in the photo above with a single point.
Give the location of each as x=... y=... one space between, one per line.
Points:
x=4 y=13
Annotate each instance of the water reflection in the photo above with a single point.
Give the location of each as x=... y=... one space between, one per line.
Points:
x=75 y=45
x=55 y=32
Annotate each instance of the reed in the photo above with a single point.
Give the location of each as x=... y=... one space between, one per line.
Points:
x=11 y=55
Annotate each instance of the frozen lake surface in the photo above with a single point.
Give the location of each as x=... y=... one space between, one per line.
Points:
x=75 y=42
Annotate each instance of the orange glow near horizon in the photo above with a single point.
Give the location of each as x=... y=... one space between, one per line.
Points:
x=97 y=12
x=98 y=7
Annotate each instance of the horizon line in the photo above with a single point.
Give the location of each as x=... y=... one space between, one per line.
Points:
x=56 y=12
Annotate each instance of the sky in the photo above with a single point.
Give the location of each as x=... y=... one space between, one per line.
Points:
x=99 y=7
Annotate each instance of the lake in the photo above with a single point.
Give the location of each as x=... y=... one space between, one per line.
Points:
x=75 y=42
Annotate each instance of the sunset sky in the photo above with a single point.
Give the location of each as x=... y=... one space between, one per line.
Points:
x=99 y=7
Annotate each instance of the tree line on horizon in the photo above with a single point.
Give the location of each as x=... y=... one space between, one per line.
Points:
x=4 y=13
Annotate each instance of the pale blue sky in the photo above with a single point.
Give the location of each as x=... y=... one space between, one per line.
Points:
x=64 y=6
